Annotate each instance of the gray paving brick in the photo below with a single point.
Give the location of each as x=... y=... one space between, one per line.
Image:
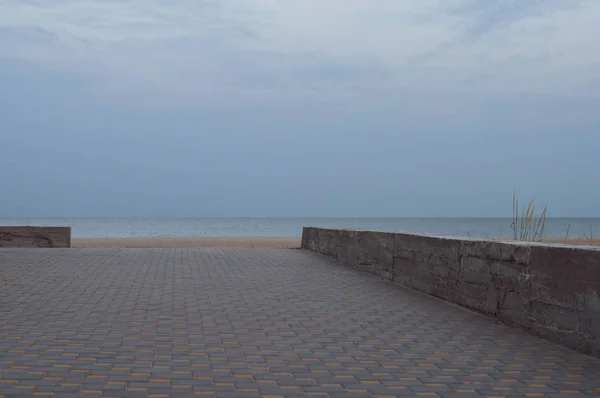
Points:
x=246 y=322
x=126 y=394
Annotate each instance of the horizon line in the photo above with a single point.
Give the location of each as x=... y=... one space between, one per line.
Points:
x=282 y=217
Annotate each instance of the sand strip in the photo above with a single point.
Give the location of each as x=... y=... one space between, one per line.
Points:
x=561 y=241
x=277 y=243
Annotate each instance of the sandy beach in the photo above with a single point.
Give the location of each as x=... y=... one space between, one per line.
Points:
x=574 y=241
x=561 y=241
x=277 y=243
x=273 y=243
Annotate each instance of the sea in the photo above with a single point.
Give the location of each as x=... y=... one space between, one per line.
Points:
x=292 y=227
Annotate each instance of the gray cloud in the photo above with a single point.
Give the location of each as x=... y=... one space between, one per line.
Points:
x=250 y=105
x=186 y=48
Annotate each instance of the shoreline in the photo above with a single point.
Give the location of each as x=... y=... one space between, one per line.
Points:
x=188 y=242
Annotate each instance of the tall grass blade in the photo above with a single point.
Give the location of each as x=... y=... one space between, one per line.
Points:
x=590 y=237
x=530 y=226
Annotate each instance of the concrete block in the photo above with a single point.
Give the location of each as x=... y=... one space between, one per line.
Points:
x=35 y=237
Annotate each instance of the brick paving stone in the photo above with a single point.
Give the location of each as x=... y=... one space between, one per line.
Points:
x=251 y=323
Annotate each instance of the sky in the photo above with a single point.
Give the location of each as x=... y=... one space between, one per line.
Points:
x=312 y=108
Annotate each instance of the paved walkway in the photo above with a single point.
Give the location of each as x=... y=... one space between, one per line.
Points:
x=244 y=322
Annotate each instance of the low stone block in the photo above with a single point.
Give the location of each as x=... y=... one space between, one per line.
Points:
x=510 y=253
x=376 y=253
x=327 y=242
x=563 y=276
x=310 y=238
x=35 y=237
x=417 y=257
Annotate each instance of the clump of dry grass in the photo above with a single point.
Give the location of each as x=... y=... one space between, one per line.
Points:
x=590 y=238
x=587 y=239
x=527 y=225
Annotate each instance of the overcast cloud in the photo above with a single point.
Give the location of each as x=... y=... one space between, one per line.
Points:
x=298 y=108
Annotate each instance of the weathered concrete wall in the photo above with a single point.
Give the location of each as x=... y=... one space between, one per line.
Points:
x=33 y=237
x=550 y=290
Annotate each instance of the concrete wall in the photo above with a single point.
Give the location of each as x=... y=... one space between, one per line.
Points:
x=550 y=290
x=28 y=237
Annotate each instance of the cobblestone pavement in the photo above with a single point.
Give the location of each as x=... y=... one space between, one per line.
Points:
x=252 y=322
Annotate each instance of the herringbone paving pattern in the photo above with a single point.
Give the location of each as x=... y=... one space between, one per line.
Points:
x=251 y=322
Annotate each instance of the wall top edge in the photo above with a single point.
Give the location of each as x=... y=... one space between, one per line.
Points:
x=468 y=239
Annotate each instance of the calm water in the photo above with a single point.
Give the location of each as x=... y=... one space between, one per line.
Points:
x=290 y=227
